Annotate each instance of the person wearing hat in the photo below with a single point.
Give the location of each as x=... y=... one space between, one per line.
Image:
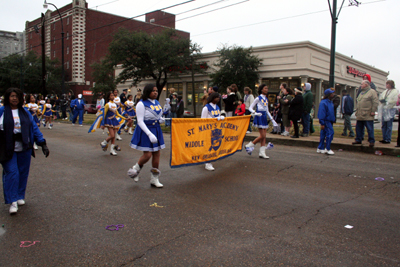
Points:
x=79 y=107
x=122 y=97
x=367 y=77
x=296 y=110
x=307 y=106
x=326 y=116
x=367 y=105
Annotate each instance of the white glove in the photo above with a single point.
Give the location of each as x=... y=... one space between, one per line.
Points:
x=258 y=114
x=274 y=123
x=153 y=138
x=161 y=120
x=220 y=118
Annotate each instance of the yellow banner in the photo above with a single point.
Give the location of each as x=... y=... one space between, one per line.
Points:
x=197 y=141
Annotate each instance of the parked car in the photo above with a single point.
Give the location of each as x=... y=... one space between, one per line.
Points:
x=188 y=114
x=90 y=109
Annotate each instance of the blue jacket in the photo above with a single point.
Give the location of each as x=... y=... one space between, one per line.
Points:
x=348 y=105
x=80 y=106
x=326 y=111
x=34 y=133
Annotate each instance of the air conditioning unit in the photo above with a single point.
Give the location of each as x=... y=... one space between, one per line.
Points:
x=152 y=20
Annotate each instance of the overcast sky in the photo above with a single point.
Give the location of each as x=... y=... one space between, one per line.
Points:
x=369 y=33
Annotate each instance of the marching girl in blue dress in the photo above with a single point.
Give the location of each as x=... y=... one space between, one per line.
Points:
x=41 y=107
x=211 y=110
x=148 y=136
x=33 y=109
x=117 y=101
x=110 y=121
x=260 y=121
x=130 y=112
x=47 y=113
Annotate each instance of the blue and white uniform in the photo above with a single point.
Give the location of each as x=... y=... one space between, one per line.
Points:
x=210 y=111
x=148 y=113
x=47 y=112
x=110 y=115
x=261 y=104
x=33 y=109
x=130 y=109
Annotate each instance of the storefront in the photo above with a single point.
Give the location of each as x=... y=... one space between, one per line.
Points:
x=293 y=64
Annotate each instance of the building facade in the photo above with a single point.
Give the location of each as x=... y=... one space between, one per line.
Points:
x=11 y=43
x=291 y=63
x=87 y=34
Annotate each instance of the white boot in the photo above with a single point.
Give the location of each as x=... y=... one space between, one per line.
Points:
x=134 y=172
x=262 y=153
x=49 y=126
x=35 y=146
x=209 y=167
x=155 y=173
x=249 y=148
x=104 y=145
x=130 y=130
x=112 y=150
x=118 y=137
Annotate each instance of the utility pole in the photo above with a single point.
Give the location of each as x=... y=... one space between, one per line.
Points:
x=193 y=90
x=335 y=16
x=44 y=91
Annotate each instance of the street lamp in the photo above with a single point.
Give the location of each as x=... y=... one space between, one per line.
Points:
x=335 y=16
x=45 y=5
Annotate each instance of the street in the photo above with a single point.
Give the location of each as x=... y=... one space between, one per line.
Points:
x=289 y=210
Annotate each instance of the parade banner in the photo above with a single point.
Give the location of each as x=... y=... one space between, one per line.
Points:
x=197 y=141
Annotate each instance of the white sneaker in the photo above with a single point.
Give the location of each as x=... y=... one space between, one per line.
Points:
x=20 y=202
x=13 y=207
x=35 y=146
x=209 y=167
x=249 y=148
x=155 y=174
x=286 y=134
x=134 y=172
x=322 y=151
x=248 y=132
x=73 y=124
x=80 y=125
x=330 y=152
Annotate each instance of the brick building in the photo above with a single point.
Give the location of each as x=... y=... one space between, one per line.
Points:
x=87 y=34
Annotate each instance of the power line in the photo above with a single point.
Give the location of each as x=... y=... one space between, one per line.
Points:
x=284 y=18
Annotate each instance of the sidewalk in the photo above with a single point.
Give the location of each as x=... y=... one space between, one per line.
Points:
x=337 y=143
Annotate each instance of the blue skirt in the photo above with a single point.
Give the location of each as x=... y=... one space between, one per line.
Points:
x=130 y=113
x=48 y=113
x=261 y=121
x=113 y=123
x=141 y=141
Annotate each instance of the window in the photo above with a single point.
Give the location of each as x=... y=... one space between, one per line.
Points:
x=67 y=50
x=68 y=21
x=67 y=35
x=54 y=40
x=54 y=53
x=67 y=65
x=54 y=26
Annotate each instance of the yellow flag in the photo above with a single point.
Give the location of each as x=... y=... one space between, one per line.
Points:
x=197 y=141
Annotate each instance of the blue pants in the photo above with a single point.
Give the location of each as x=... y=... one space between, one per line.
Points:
x=15 y=176
x=326 y=135
x=306 y=122
x=76 y=113
x=387 y=130
x=168 y=122
x=360 y=131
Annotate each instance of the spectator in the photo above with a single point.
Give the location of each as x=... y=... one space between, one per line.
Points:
x=367 y=104
x=277 y=115
x=180 y=107
x=388 y=100
x=122 y=97
x=230 y=102
x=235 y=90
x=138 y=96
x=336 y=103
x=248 y=100
x=241 y=108
x=296 y=110
x=171 y=92
x=398 y=130
x=326 y=118
x=79 y=107
x=307 y=105
x=367 y=77
x=174 y=104
x=100 y=101
x=347 y=111
x=167 y=112
x=205 y=97
x=286 y=95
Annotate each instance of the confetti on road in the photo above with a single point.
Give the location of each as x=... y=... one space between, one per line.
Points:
x=380 y=179
x=348 y=226
x=114 y=227
x=156 y=205
x=24 y=244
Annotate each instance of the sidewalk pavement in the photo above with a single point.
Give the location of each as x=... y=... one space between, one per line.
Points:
x=337 y=143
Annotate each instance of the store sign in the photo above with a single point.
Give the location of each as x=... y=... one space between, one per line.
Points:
x=87 y=93
x=355 y=72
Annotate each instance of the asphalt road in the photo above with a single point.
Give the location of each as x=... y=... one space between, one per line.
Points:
x=290 y=210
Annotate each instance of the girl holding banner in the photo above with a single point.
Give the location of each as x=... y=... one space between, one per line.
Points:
x=260 y=121
x=148 y=136
x=211 y=110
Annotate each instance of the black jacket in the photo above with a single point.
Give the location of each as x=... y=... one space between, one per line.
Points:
x=230 y=102
x=296 y=107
